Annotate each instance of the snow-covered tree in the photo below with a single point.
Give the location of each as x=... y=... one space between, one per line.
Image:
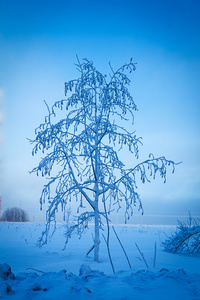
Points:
x=82 y=150
x=15 y=214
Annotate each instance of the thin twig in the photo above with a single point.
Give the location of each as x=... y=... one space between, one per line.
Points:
x=35 y=270
x=142 y=255
x=122 y=247
x=109 y=253
x=155 y=250
x=108 y=236
x=90 y=250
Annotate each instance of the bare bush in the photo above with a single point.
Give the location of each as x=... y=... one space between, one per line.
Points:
x=186 y=239
x=15 y=214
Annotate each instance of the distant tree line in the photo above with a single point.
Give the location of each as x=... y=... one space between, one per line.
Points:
x=15 y=214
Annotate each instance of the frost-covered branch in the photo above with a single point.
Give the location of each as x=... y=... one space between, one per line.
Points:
x=186 y=239
x=81 y=150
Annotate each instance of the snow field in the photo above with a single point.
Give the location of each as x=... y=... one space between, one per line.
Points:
x=173 y=277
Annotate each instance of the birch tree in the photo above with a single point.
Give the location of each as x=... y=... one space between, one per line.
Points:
x=81 y=151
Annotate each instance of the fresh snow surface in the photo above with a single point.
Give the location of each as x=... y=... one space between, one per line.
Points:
x=51 y=273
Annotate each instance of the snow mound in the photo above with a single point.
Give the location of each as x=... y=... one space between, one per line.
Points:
x=96 y=285
x=5 y=271
x=85 y=270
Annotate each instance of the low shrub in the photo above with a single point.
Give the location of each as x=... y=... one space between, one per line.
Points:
x=15 y=214
x=186 y=239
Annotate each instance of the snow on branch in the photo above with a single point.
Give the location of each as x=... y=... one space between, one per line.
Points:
x=81 y=149
x=186 y=239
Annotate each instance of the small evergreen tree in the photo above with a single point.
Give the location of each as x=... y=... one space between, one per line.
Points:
x=84 y=145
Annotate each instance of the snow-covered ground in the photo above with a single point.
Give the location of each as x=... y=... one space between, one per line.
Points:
x=61 y=275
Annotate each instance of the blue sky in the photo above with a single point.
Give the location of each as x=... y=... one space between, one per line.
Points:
x=39 y=41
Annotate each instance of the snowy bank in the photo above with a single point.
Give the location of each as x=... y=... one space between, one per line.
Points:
x=36 y=272
x=96 y=285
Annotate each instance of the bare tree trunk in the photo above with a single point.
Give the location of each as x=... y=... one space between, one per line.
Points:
x=96 y=206
x=96 y=239
x=96 y=175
